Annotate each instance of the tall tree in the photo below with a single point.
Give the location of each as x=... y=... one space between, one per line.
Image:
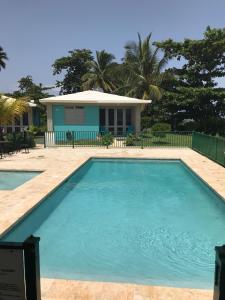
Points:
x=194 y=93
x=72 y=67
x=145 y=69
x=100 y=74
x=31 y=90
x=3 y=58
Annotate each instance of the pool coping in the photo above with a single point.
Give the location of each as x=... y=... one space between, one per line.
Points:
x=20 y=171
x=2 y=233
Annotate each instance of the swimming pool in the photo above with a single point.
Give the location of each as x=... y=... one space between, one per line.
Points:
x=10 y=180
x=126 y=220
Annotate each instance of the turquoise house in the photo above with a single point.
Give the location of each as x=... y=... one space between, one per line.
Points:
x=89 y=113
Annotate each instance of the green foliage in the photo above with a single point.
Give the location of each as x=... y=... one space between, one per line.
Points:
x=11 y=109
x=31 y=90
x=160 y=129
x=100 y=74
x=146 y=122
x=73 y=67
x=107 y=139
x=37 y=130
x=144 y=69
x=192 y=92
x=204 y=59
x=3 y=58
x=130 y=140
x=18 y=139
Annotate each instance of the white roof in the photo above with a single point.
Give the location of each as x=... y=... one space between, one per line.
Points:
x=94 y=97
x=10 y=99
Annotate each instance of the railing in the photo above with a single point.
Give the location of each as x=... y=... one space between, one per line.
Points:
x=210 y=146
x=97 y=139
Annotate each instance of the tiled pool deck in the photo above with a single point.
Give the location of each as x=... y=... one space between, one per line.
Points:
x=58 y=164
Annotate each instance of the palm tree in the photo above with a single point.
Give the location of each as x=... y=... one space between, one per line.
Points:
x=100 y=74
x=144 y=69
x=3 y=57
x=11 y=109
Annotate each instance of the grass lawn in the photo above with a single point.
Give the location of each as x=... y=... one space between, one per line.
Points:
x=169 y=140
x=148 y=140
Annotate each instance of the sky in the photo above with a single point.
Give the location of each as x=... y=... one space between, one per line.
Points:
x=36 y=32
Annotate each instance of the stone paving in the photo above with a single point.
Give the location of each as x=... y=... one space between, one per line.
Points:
x=57 y=164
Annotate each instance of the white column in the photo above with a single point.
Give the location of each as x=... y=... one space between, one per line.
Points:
x=49 y=117
x=115 y=121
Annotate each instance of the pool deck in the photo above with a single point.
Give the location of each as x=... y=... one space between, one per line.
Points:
x=59 y=163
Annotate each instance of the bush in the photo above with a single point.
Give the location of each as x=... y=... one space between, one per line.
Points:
x=37 y=130
x=130 y=140
x=107 y=139
x=21 y=138
x=146 y=122
x=160 y=129
x=187 y=126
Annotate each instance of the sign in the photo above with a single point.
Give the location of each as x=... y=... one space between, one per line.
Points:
x=12 y=277
x=20 y=270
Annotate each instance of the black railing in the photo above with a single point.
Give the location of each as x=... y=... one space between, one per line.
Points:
x=102 y=139
x=12 y=142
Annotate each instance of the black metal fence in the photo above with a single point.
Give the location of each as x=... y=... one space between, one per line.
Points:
x=101 y=139
x=13 y=142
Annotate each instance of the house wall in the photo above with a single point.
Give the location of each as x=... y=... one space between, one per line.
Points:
x=91 y=119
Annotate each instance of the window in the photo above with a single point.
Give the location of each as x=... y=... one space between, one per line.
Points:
x=73 y=115
x=102 y=117
x=111 y=117
x=25 y=119
x=128 y=117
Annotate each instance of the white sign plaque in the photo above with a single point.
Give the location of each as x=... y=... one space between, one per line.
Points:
x=12 y=277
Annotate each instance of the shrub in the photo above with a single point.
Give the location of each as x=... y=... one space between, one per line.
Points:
x=130 y=140
x=146 y=133
x=21 y=138
x=37 y=130
x=146 y=122
x=160 y=129
x=187 y=126
x=107 y=139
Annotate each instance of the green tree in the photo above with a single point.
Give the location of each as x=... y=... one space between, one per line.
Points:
x=31 y=90
x=3 y=58
x=11 y=108
x=144 y=69
x=25 y=84
x=72 y=67
x=100 y=74
x=193 y=92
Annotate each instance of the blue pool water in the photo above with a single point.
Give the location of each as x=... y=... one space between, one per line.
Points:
x=10 y=180
x=142 y=221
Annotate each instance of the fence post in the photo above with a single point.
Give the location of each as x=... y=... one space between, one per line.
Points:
x=73 y=139
x=216 y=148
x=45 y=139
x=219 y=280
x=142 y=141
x=192 y=138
